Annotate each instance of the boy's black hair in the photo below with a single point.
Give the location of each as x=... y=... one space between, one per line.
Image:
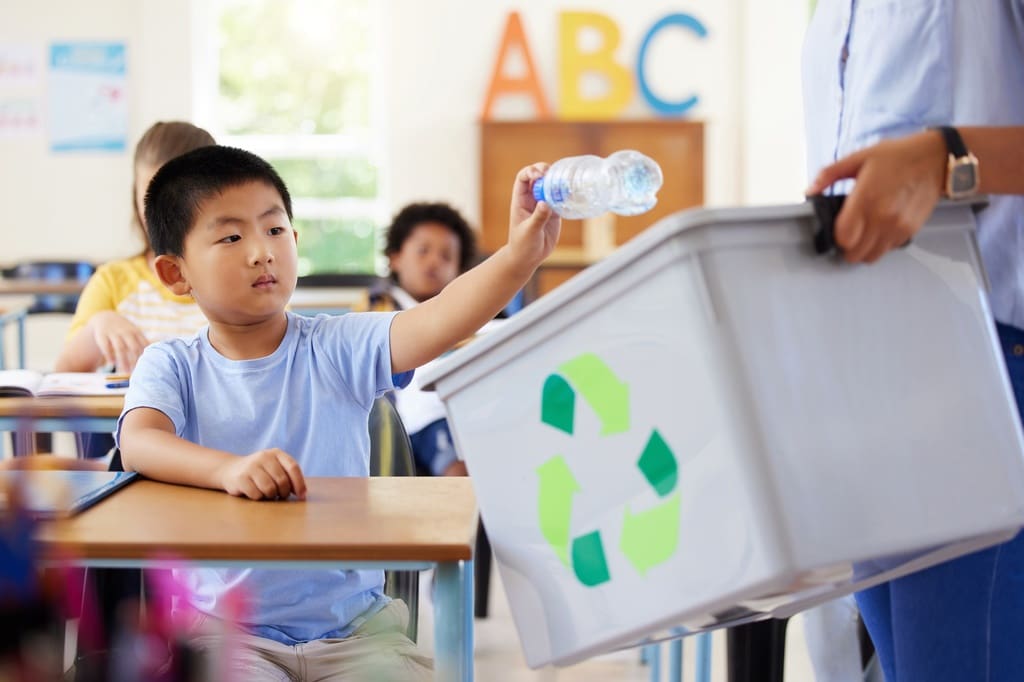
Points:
x=185 y=182
x=437 y=212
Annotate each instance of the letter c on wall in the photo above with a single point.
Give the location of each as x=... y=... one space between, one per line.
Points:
x=663 y=107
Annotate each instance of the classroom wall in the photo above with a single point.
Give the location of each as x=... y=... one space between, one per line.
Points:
x=437 y=61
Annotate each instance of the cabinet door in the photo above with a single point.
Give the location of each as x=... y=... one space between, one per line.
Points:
x=507 y=146
x=678 y=147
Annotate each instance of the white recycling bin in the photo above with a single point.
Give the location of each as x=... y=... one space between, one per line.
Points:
x=715 y=424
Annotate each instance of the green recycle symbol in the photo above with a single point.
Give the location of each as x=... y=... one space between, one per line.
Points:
x=649 y=537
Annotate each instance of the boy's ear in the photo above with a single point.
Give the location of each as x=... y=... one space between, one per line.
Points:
x=168 y=269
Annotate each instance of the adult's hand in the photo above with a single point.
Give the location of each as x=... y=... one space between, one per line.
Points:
x=898 y=183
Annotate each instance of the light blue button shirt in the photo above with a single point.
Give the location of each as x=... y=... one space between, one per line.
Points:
x=874 y=69
x=311 y=398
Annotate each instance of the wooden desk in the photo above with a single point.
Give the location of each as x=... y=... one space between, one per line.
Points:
x=39 y=287
x=89 y=414
x=402 y=523
x=82 y=414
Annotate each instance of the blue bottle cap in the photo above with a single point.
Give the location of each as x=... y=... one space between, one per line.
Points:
x=538 y=189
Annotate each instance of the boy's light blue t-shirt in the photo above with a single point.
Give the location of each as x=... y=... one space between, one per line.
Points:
x=310 y=398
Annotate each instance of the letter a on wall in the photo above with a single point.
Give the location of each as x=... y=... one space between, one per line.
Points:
x=502 y=84
x=575 y=64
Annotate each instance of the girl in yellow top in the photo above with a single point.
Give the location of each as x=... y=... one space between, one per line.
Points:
x=124 y=307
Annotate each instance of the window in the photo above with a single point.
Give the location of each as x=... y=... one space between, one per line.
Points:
x=295 y=85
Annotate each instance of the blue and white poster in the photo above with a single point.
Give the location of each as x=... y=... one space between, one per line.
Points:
x=88 y=103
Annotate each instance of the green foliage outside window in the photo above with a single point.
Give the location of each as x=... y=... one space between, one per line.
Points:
x=302 y=67
x=329 y=178
x=336 y=245
x=294 y=66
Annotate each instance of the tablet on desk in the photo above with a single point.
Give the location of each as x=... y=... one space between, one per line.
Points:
x=58 y=494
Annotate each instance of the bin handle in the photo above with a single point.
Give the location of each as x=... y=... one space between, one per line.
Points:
x=826 y=208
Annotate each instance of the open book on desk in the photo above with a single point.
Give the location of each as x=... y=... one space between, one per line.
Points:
x=53 y=494
x=27 y=383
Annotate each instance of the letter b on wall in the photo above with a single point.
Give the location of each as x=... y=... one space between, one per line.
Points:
x=576 y=64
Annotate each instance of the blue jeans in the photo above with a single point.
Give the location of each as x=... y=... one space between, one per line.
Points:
x=962 y=620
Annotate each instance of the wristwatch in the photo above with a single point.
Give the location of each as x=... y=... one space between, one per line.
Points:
x=962 y=167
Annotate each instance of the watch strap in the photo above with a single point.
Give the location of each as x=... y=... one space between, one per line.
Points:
x=954 y=143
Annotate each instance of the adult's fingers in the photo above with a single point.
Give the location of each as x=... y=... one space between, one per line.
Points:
x=847 y=167
x=850 y=226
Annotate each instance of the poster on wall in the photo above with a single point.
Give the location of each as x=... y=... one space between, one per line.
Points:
x=87 y=99
x=19 y=116
x=19 y=66
x=20 y=87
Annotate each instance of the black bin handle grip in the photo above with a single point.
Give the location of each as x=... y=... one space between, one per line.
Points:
x=826 y=208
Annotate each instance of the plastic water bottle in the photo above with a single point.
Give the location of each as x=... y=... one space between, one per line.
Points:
x=585 y=186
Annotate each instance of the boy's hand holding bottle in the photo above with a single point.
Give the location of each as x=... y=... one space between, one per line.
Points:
x=533 y=226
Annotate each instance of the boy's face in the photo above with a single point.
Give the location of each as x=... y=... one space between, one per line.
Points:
x=239 y=259
x=427 y=261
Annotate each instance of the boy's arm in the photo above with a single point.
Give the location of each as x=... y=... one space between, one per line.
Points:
x=150 y=446
x=422 y=333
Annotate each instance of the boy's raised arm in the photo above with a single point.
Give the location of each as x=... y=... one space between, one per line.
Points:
x=422 y=333
x=150 y=446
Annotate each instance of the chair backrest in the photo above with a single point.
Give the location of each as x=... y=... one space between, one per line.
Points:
x=390 y=449
x=391 y=455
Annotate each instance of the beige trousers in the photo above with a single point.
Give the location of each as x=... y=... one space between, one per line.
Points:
x=378 y=651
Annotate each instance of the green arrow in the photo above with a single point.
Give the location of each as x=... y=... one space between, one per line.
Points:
x=554 y=504
x=557 y=403
x=651 y=537
x=658 y=464
x=606 y=395
x=588 y=560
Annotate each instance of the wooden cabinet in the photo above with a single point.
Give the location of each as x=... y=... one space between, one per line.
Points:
x=507 y=146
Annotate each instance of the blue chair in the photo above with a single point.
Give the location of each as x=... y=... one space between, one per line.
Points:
x=16 y=316
x=47 y=271
x=52 y=271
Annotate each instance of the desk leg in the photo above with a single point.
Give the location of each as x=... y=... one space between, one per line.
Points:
x=21 y=341
x=453 y=622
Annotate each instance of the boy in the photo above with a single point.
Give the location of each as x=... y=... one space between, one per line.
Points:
x=262 y=398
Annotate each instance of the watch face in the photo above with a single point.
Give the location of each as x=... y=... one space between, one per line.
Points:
x=963 y=178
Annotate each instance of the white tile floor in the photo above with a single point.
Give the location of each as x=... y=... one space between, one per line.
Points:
x=498 y=657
